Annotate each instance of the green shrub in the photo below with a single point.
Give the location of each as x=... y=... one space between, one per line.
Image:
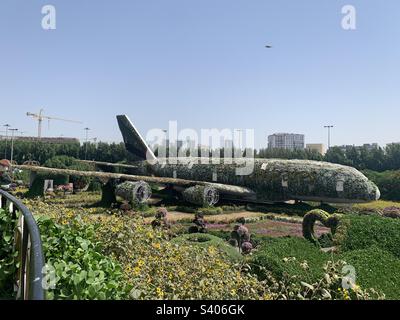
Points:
x=362 y=232
x=206 y=240
x=95 y=185
x=79 y=181
x=278 y=256
x=388 y=183
x=376 y=268
x=81 y=271
x=60 y=162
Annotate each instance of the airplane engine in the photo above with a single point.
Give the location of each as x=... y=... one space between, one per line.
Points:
x=134 y=192
x=201 y=195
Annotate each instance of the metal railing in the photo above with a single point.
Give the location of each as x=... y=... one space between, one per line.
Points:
x=27 y=243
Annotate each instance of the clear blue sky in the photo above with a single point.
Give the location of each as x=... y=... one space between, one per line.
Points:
x=203 y=63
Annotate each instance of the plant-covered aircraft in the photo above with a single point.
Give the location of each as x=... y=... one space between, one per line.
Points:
x=271 y=180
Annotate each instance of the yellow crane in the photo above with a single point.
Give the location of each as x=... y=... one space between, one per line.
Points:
x=40 y=116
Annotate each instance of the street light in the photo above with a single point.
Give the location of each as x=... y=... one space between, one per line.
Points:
x=12 y=149
x=86 y=143
x=5 y=150
x=329 y=135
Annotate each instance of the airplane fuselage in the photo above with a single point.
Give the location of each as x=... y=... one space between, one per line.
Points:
x=274 y=180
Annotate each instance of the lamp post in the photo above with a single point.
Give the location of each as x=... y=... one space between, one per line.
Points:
x=239 y=148
x=329 y=135
x=12 y=149
x=86 y=143
x=5 y=150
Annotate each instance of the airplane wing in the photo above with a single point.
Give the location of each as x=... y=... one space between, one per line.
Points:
x=105 y=176
x=108 y=164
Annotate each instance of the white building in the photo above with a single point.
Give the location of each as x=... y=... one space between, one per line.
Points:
x=289 y=141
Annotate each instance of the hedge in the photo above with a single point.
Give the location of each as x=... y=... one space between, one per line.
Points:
x=357 y=232
x=376 y=268
x=271 y=256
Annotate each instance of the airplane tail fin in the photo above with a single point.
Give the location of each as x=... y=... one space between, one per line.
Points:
x=134 y=142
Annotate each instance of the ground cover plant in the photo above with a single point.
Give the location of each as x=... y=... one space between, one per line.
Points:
x=357 y=232
x=376 y=268
x=277 y=256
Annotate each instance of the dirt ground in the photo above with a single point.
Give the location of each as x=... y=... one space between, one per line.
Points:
x=267 y=227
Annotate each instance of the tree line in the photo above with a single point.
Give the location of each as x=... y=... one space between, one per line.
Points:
x=362 y=158
x=42 y=151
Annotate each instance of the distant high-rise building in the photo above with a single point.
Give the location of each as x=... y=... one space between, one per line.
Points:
x=289 y=141
x=319 y=147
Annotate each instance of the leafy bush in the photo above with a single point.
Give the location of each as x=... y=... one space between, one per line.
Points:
x=272 y=256
x=157 y=268
x=376 y=268
x=7 y=254
x=80 y=270
x=388 y=183
x=207 y=240
x=60 y=162
x=79 y=181
x=361 y=232
x=95 y=185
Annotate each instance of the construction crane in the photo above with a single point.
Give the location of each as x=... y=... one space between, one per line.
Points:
x=40 y=116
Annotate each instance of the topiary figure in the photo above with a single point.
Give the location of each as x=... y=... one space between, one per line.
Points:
x=247 y=247
x=161 y=219
x=330 y=221
x=200 y=224
x=240 y=237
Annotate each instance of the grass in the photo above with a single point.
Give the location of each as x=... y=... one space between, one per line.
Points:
x=375 y=206
x=272 y=253
x=376 y=268
x=357 y=232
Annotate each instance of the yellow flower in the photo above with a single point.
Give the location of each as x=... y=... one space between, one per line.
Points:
x=140 y=263
x=181 y=273
x=160 y=293
x=211 y=250
x=136 y=270
x=267 y=297
x=150 y=235
x=156 y=245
